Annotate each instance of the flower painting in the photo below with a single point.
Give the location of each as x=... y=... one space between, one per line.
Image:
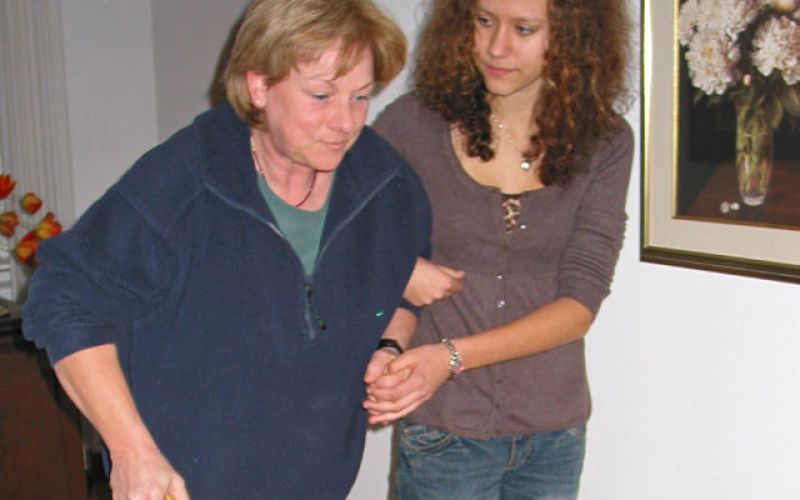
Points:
x=721 y=137
x=739 y=104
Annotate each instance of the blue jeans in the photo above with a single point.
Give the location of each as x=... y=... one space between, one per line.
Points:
x=435 y=465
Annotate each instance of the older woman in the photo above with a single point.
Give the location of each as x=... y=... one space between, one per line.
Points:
x=213 y=313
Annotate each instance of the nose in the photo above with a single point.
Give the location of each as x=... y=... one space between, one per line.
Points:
x=498 y=42
x=344 y=119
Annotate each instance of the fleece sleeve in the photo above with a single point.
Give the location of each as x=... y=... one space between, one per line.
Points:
x=94 y=280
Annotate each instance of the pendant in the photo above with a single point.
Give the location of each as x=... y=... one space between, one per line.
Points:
x=525 y=165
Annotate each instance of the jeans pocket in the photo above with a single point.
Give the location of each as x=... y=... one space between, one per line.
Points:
x=578 y=432
x=420 y=438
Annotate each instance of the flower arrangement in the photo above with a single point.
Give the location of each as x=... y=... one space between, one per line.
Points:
x=748 y=50
x=24 y=250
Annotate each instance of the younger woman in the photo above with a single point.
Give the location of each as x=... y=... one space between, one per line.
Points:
x=513 y=128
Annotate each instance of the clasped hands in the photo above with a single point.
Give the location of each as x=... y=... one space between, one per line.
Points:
x=397 y=385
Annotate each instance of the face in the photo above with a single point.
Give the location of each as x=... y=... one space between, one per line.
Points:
x=311 y=116
x=511 y=37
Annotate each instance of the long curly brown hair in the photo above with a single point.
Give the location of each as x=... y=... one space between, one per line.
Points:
x=585 y=79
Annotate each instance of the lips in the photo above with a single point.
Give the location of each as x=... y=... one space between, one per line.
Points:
x=336 y=145
x=496 y=71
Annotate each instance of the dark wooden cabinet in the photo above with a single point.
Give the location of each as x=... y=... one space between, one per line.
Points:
x=41 y=455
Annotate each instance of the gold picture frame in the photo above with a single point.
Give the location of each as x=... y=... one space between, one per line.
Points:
x=719 y=242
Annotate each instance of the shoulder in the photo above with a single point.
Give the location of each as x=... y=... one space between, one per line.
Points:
x=165 y=180
x=375 y=149
x=416 y=131
x=619 y=136
x=406 y=118
x=622 y=133
x=407 y=105
x=612 y=150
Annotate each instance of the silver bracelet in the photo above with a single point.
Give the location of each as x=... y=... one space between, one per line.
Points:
x=455 y=364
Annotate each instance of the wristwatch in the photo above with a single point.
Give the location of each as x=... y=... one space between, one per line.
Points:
x=390 y=343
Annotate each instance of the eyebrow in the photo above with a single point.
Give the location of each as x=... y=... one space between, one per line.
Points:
x=330 y=81
x=369 y=84
x=519 y=19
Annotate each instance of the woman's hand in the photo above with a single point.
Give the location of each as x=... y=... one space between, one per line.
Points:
x=145 y=474
x=94 y=381
x=378 y=365
x=431 y=282
x=410 y=380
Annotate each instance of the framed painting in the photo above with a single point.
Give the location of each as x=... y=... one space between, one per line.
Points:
x=721 y=143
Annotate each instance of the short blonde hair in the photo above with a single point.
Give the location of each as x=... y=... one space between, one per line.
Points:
x=277 y=35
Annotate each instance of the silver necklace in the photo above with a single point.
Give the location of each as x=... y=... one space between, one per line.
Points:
x=525 y=164
x=260 y=170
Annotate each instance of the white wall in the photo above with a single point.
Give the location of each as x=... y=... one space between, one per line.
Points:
x=695 y=375
x=188 y=36
x=108 y=56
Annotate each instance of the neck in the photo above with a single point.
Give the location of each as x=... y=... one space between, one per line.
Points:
x=515 y=111
x=292 y=183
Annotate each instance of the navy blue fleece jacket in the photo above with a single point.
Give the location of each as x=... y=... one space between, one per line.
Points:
x=247 y=374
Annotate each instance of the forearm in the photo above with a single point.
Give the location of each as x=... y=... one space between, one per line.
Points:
x=558 y=323
x=94 y=380
x=401 y=327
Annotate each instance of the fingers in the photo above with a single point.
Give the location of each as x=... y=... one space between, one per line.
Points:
x=394 y=390
x=377 y=366
x=452 y=280
x=145 y=474
x=387 y=411
x=387 y=418
x=389 y=382
x=372 y=373
x=453 y=273
x=177 y=490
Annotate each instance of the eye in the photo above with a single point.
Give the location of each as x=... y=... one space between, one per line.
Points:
x=483 y=21
x=524 y=30
x=362 y=98
x=320 y=96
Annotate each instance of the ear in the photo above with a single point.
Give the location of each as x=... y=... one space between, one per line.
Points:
x=257 y=87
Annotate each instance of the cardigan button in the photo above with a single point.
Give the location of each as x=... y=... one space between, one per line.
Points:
x=501 y=304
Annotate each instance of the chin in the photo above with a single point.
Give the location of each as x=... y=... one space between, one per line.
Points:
x=326 y=164
x=500 y=89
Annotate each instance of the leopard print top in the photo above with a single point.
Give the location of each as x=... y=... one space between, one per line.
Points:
x=512 y=204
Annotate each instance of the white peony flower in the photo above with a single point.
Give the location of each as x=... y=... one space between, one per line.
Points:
x=784 y=6
x=736 y=15
x=708 y=18
x=790 y=65
x=776 y=45
x=712 y=62
x=767 y=46
x=687 y=21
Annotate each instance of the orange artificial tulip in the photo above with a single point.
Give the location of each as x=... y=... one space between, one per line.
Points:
x=25 y=251
x=30 y=203
x=6 y=185
x=8 y=222
x=47 y=227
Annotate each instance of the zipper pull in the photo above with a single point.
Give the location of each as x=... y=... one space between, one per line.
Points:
x=314 y=321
